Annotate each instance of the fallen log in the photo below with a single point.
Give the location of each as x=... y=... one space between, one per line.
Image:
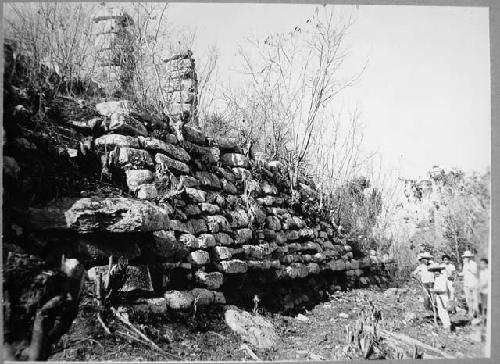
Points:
x=410 y=341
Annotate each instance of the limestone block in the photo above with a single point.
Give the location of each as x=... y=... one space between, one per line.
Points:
x=270 y=201
x=209 y=209
x=226 y=143
x=272 y=223
x=291 y=235
x=199 y=257
x=170 y=150
x=138 y=278
x=229 y=187
x=313 y=268
x=208 y=180
x=277 y=211
x=306 y=233
x=113 y=140
x=180 y=84
x=130 y=156
x=179 y=300
x=299 y=223
x=238 y=218
x=268 y=188
x=327 y=244
x=257 y=251
x=137 y=177
x=242 y=173
x=259 y=264
x=216 y=198
x=195 y=195
x=189 y=241
x=85 y=215
x=165 y=245
x=258 y=213
x=323 y=234
x=223 y=239
x=281 y=237
x=213 y=280
x=182 y=227
x=235 y=160
x=319 y=257
x=188 y=181
x=147 y=191
x=126 y=124
x=192 y=210
x=233 y=266
x=168 y=163
x=156 y=306
x=269 y=235
x=242 y=236
x=254 y=329
x=221 y=253
x=199 y=226
x=217 y=223
x=207 y=240
x=207 y=155
x=194 y=135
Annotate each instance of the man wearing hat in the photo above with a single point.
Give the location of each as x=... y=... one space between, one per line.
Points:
x=441 y=292
x=470 y=276
x=424 y=276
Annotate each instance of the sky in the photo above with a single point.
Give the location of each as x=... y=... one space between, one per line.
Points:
x=424 y=97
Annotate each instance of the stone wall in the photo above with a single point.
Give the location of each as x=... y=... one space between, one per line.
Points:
x=197 y=220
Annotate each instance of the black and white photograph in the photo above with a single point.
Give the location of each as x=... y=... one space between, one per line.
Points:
x=246 y=182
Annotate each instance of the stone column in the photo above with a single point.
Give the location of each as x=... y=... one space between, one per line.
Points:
x=113 y=43
x=181 y=89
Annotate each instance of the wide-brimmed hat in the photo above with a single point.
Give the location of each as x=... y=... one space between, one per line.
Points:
x=467 y=254
x=435 y=267
x=425 y=255
x=445 y=256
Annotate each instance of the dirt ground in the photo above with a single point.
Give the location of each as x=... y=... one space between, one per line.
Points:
x=318 y=334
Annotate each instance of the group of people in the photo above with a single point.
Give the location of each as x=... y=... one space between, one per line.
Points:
x=438 y=283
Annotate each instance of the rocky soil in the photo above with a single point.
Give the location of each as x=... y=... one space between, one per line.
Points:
x=318 y=334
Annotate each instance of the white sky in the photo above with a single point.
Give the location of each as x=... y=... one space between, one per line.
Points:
x=425 y=96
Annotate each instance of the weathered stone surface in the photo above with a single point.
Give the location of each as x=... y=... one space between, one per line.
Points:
x=299 y=223
x=111 y=107
x=273 y=223
x=232 y=266
x=204 y=297
x=199 y=226
x=313 y=268
x=170 y=150
x=306 y=233
x=207 y=155
x=270 y=201
x=199 y=257
x=242 y=173
x=166 y=245
x=238 y=218
x=258 y=214
x=87 y=215
x=137 y=177
x=207 y=240
x=147 y=191
x=242 y=236
x=217 y=223
x=229 y=187
x=216 y=198
x=180 y=226
x=194 y=135
x=291 y=235
x=281 y=237
x=226 y=143
x=126 y=124
x=254 y=329
x=188 y=181
x=209 y=209
x=113 y=140
x=192 y=210
x=257 y=251
x=211 y=280
x=195 y=195
x=208 y=180
x=268 y=188
x=269 y=235
x=156 y=306
x=179 y=300
x=235 y=160
x=170 y=164
x=221 y=253
x=123 y=156
x=223 y=239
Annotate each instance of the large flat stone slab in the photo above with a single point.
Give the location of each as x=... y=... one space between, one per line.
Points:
x=86 y=215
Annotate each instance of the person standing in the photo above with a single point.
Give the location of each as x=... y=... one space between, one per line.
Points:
x=484 y=280
x=425 y=277
x=441 y=293
x=470 y=276
x=450 y=271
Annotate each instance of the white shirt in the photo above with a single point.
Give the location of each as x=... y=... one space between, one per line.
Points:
x=449 y=269
x=424 y=275
x=441 y=284
x=469 y=272
x=484 y=280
